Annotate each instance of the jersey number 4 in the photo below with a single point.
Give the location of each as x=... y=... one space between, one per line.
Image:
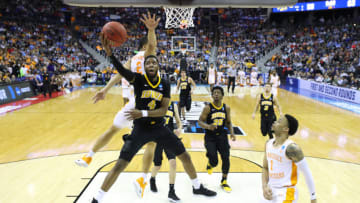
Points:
x=152 y=105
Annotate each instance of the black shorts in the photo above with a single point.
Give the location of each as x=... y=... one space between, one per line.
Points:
x=217 y=143
x=185 y=101
x=140 y=135
x=158 y=155
x=266 y=124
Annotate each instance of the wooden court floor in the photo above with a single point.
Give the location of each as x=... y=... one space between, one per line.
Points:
x=38 y=144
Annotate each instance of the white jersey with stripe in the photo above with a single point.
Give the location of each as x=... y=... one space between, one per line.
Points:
x=274 y=80
x=137 y=63
x=283 y=172
x=137 y=66
x=211 y=76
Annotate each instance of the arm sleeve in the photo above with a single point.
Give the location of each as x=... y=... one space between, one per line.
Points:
x=303 y=166
x=127 y=74
x=167 y=89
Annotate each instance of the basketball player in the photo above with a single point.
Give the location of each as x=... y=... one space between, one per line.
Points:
x=267 y=100
x=282 y=161
x=211 y=76
x=152 y=95
x=253 y=78
x=241 y=77
x=186 y=85
x=135 y=64
x=170 y=114
x=214 y=117
x=274 y=81
x=127 y=90
x=231 y=71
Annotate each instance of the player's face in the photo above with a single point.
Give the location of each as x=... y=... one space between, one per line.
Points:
x=267 y=88
x=183 y=74
x=217 y=95
x=280 y=126
x=151 y=67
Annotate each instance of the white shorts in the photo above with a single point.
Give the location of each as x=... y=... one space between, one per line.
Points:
x=280 y=195
x=120 y=121
x=126 y=92
x=211 y=80
x=274 y=91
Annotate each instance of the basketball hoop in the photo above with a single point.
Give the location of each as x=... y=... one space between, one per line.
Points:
x=183 y=50
x=179 y=17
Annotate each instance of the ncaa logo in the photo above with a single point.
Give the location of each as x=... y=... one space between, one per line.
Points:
x=18 y=91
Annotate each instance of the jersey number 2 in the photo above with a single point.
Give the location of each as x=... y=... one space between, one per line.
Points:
x=138 y=67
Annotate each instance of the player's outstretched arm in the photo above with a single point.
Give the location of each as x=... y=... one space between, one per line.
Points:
x=294 y=153
x=151 y=23
x=126 y=73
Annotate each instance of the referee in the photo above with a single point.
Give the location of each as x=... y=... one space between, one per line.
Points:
x=232 y=74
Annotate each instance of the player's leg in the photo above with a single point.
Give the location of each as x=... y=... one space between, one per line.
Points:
x=120 y=121
x=132 y=145
x=182 y=106
x=233 y=84
x=224 y=149
x=172 y=143
x=263 y=126
x=271 y=121
x=188 y=103
x=156 y=168
x=211 y=154
x=229 y=81
x=172 y=175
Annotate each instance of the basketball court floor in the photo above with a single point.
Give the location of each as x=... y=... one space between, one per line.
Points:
x=39 y=144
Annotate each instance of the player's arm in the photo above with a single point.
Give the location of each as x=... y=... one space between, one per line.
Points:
x=151 y=23
x=256 y=106
x=178 y=86
x=116 y=78
x=276 y=101
x=294 y=153
x=267 y=193
x=193 y=84
x=207 y=75
x=202 y=119
x=178 y=120
x=228 y=123
x=126 y=73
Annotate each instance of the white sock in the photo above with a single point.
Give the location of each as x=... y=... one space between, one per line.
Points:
x=100 y=195
x=90 y=154
x=196 y=183
x=144 y=175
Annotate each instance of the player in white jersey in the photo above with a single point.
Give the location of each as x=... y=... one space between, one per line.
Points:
x=241 y=77
x=253 y=78
x=211 y=75
x=282 y=161
x=275 y=81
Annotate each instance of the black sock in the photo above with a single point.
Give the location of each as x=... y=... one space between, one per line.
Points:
x=171 y=187
x=223 y=178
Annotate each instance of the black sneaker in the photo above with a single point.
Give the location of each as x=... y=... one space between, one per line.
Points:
x=94 y=201
x=204 y=191
x=172 y=196
x=153 y=185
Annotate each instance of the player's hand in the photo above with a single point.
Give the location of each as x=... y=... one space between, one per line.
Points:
x=233 y=138
x=100 y=95
x=150 y=22
x=267 y=192
x=212 y=127
x=106 y=43
x=253 y=116
x=133 y=114
x=178 y=132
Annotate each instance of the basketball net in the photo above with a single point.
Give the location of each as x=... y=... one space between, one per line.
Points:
x=183 y=50
x=179 y=18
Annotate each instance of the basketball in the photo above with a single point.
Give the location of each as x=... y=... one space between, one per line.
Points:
x=115 y=32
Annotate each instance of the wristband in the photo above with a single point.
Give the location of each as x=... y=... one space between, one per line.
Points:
x=144 y=113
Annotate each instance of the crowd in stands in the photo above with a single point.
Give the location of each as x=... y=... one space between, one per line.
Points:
x=325 y=53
